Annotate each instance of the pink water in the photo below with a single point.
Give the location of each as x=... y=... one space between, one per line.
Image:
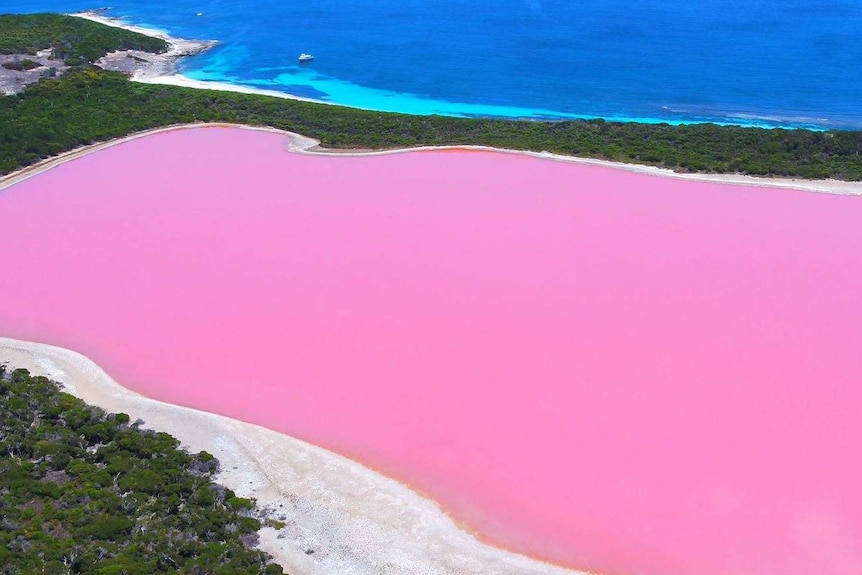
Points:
x=612 y=371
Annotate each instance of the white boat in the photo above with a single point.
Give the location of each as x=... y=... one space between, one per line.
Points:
x=305 y=57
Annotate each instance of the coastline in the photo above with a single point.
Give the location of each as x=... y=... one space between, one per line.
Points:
x=159 y=73
x=298 y=143
x=145 y=66
x=340 y=517
x=161 y=68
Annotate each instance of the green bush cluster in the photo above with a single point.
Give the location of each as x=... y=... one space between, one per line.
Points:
x=21 y=65
x=83 y=491
x=73 y=40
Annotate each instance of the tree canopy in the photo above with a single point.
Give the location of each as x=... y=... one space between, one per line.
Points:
x=84 y=491
x=74 y=40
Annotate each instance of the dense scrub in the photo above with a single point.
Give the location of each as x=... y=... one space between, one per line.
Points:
x=90 y=105
x=82 y=491
x=74 y=40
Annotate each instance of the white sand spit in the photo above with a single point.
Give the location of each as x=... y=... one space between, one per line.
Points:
x=341 y=518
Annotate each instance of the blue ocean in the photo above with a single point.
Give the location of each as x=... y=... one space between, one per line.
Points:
x=788 y=63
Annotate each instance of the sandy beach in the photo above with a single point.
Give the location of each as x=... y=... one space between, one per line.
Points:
x=146 y=66
x=340 y=516
x=162 y=68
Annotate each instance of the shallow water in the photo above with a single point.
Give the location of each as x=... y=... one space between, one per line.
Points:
x=761 y=62
x=613 y=371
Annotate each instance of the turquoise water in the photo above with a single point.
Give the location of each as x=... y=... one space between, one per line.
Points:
x=751 y=63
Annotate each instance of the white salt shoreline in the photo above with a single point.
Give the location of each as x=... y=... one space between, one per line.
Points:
x=354 y=520
x=297 y=143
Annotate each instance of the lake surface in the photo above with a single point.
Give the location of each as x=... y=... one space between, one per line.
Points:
x=752 y=63
x=608 y=370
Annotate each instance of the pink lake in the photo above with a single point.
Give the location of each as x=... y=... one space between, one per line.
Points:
x=611 y=371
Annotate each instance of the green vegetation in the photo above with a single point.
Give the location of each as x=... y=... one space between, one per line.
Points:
x=89 y=105
x=82 y=491
x=74 y=40
x=21 y=65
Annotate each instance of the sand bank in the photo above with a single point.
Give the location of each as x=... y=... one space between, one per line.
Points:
x=354 y=520
x=299 y=143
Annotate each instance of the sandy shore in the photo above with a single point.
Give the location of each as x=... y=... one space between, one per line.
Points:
x=162 y=68
x=355 y=520
x=298 y=143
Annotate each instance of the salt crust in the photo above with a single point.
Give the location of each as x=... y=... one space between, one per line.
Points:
x=340 y=517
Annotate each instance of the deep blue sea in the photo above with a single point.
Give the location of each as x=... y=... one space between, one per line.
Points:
x=762 y=62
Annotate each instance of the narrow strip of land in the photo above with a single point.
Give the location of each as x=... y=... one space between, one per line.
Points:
x=297 y=143
x=89 y=104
